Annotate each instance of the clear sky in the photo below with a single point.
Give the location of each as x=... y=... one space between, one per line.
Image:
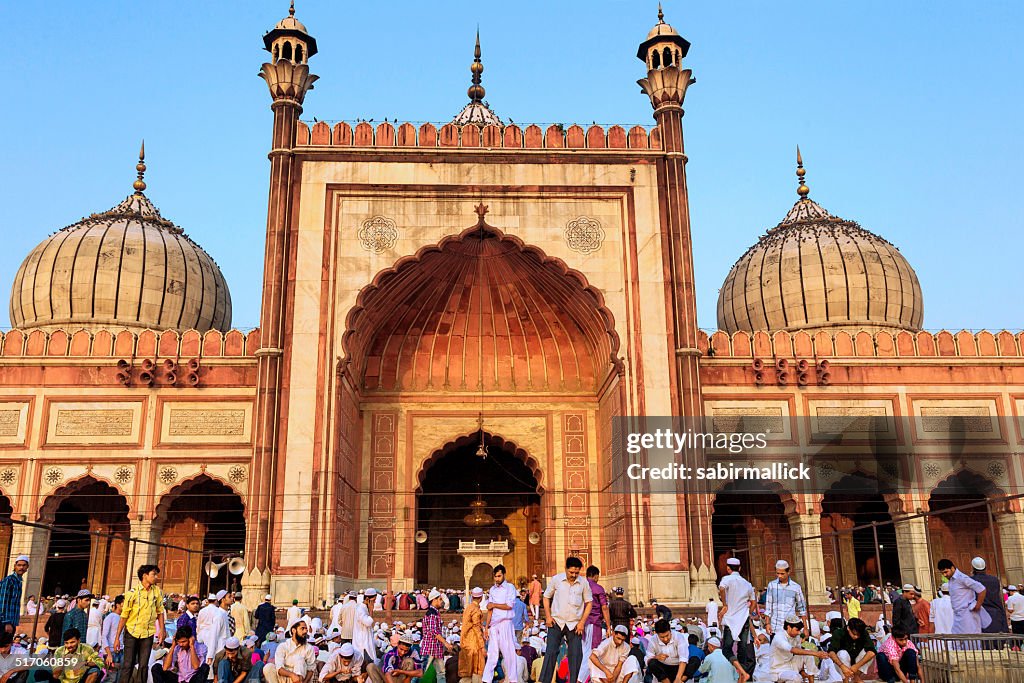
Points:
x=908 y=113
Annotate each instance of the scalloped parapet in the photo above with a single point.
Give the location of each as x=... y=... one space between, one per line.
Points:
x=115 y=344
x=556 y=136
x=864 y=344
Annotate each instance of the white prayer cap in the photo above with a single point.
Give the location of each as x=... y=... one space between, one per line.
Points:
x=456 y=638
x=61 y=604
x=293 y=622
x=782 y=564
x=714 y=642
x=347 y=650
x=634 y=640
x=945 y=588
x=220 y=595
x=978 y=563
x=908 y=587
x=1011 y=587
x=370 y=592
x=268 y=597
x=211 y=596
x=271 y=637
x=478 y=592
x=621 y=629
x=231 y=643
x=829 y=616
x=22 y=558
x=733 y=562
x=434 y=594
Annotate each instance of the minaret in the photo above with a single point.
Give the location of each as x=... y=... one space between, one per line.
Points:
x=663 y=52
x=288 y=77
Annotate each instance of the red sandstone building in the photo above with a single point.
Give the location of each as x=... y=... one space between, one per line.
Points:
x=434 y=291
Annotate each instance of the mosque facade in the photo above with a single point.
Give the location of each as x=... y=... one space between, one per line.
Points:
x=453 y=318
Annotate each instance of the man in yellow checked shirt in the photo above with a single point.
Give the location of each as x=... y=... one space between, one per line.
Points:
x=142 y=616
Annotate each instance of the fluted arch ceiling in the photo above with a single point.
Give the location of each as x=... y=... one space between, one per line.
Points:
x=481 y=311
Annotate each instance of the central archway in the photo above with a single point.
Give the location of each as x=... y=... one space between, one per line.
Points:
x=507 y=481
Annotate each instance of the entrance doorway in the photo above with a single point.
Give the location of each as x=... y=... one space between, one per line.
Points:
x=464 y=497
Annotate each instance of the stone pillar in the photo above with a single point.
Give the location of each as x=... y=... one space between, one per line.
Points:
x=915 y=565
x=808 y=561
x=1010 y=526
x=34 y=542
x=141 y=553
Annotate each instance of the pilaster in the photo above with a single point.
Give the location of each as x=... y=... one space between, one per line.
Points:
x=31 y=541
x=1011 y=540
x=808 y=564
x=912 y=547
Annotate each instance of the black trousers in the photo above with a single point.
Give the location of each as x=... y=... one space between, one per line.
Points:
x=660 y=671
x=574 y=653
x=136 y=651
x=744 y=647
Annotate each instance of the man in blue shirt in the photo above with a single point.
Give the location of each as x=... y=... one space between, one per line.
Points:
x=519 y=609
x=10 y=595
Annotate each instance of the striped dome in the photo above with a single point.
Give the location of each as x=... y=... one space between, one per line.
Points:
x=126 y=267
x=816 y=270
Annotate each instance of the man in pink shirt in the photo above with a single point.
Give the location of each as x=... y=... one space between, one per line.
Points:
x=536 y=590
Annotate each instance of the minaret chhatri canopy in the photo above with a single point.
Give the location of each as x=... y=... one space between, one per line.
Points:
x=815 y=270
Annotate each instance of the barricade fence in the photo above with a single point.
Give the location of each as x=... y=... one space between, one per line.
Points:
x=986 y=658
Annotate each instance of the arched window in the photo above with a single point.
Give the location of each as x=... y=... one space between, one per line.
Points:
x=277 y=53
x=655 y=60
x=668 y=57
x=298 y=54
x=286 y=53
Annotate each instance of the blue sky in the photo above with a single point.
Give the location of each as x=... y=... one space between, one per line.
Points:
x=908 y=115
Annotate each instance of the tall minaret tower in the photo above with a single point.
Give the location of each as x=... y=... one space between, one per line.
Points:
x=288 y=77
x=667 y=81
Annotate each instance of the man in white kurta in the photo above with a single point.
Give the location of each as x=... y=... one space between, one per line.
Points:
x=711 y=610
x=336 y=608
x=942 y=612
x=610 y=661
x=210 y=622
x=499 y=629
x=362 y=627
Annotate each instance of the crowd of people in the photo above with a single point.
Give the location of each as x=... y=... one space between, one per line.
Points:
x=572 y=630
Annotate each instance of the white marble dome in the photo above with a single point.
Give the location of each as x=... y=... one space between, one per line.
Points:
x=127 y=267
x=815 y=270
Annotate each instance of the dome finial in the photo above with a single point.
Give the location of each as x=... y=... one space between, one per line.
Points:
x=802 y=190
x=140 y=184
x=476 y=91
x=291 y=9
x=661 y=14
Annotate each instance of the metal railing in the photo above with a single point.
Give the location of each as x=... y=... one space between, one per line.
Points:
x=982 y=658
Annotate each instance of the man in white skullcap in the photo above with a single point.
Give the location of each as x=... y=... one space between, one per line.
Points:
x=783 y=598
x=993 y=604
x=942 y=611
x=716 y=668
x=362 y=627
x=610 y=661
x=10 y=595
x=295 y=659
x=344 y=664
x=208 y=622
x=473 y=656
x=740 y=603
x=789 y=660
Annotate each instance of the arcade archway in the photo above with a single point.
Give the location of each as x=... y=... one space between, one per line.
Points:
x=962 y=534
x=453 y=484
x=850 y=553
x=88 y=545
x=749 y=516
x=208 y=518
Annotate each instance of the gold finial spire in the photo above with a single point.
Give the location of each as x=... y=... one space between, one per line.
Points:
x=803 y=190
x=661 y=14
x=291 y=9
x=476 y=91
x=140 y=184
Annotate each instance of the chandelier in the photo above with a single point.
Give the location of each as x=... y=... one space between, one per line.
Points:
x=478 y=516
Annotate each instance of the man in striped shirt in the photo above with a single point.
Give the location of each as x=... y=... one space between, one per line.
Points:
x=784 y=598
x=434 y=644
x=141 y=618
